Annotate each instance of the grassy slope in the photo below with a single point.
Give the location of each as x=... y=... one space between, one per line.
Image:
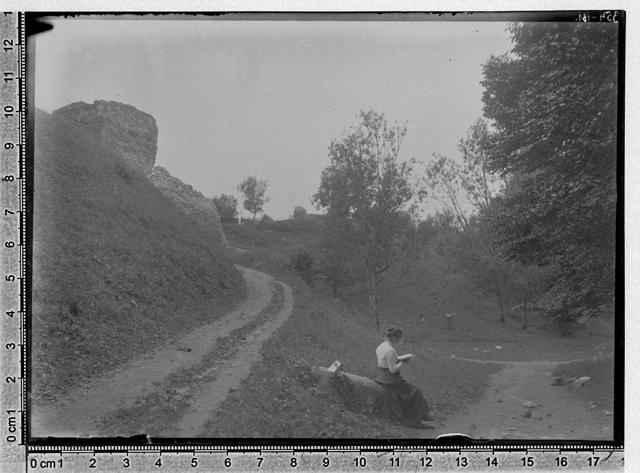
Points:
x=278 y=397
x=117 y=268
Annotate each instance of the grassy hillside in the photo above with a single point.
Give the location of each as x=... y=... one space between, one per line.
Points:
x=429 y=292
x=117 y=268
x=279 y=399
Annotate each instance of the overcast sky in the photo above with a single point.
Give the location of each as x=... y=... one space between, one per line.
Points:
x=237 y=98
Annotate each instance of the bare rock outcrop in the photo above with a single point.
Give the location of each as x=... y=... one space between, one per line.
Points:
x=188 y=199
x=133 y=136
x=126 y=131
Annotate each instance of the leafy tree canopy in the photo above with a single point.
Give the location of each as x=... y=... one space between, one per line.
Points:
x=553 y=103
x=367 y=191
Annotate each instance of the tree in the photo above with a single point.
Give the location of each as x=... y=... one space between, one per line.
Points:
x=468 y=192
x=227 y=206
x=367 y=189
x=443 y=183
x=530 y=282
x=484 y=267
x=553 y=101
x=467 y=187
x=480 y=184
x=254 y=191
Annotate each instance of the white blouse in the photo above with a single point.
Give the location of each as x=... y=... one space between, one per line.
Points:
x=387 y=356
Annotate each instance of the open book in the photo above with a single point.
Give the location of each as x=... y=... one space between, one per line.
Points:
x=406 y=357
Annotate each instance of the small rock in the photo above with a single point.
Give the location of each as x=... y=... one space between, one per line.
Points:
x=581 y=381
x=530 y=404
x=476 y=349
x=453 y=356
x=498 y=347
x=512 y=428
x=557 y=381
x=499 y=400
x=486 y=351
x=527 y=413
x=548 y=415
x=608 y=413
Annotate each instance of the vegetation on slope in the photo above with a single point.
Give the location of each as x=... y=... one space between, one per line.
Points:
x=279 y=399
x=117 y=268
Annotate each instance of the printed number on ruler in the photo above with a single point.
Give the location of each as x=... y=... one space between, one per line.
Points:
x=11 y=240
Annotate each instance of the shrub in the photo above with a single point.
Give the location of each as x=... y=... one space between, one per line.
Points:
x=304 y=265
x=227 y=206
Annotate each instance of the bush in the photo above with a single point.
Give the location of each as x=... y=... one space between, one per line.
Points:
x=304 y=265
x=227 y=206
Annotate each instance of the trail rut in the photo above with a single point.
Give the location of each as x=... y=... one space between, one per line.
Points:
x=81 y=412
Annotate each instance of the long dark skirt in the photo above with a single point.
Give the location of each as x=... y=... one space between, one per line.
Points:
x=406 y=402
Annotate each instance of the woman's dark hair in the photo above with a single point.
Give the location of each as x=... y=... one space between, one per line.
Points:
x=394 y=332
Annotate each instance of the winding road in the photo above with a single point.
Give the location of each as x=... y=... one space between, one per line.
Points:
x=86 y=409
x=191 y=377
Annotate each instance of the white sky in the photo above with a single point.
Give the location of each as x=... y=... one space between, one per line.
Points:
x=236 y=98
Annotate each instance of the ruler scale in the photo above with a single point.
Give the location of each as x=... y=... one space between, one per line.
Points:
x=17 y=454
x=327 y=458
x=12 y=188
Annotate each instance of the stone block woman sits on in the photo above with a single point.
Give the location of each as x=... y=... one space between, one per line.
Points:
x=407 y=404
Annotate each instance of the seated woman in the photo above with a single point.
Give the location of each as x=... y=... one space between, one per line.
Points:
x=408 y=405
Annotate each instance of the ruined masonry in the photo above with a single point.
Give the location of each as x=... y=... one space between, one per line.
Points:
x=133 y=136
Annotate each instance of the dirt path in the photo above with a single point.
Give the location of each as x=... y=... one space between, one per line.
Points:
x=500 y=413
x=550 y=363
x=84 y=408
x=211 y=395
